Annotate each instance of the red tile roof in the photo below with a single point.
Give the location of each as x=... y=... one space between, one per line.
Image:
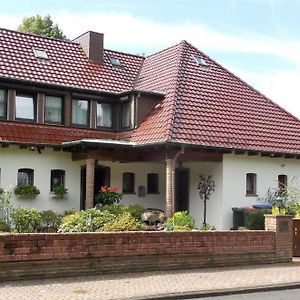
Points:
x=204 y=105
x=67 y=65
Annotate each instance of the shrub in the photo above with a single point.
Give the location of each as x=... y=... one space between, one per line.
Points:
x=49 y=221
x=85 y=221
x=26 y=190
x=117 y=209
x=123 y=222
x=293 y=208
x=181 y=220
x=108 y=196
x=26 y=219
x=207 y=227
x=255 y=220
x=4 y=227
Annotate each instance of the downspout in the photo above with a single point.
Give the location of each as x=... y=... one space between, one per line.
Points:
x=173 y=173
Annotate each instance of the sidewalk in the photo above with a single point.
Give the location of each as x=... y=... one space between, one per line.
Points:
x=154 y=285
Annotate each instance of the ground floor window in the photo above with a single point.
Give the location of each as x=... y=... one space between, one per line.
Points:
x=57 y=178
x=25 y=176
x=251 y=184
x=152 y=183
x=128 y=182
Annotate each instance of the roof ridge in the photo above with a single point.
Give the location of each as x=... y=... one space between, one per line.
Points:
x=246 y=83
x=175 y=91
x=38 y=35
x=122 y=52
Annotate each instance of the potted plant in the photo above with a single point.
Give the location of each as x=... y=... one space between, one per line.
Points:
x=59 y=191
x=26 y=191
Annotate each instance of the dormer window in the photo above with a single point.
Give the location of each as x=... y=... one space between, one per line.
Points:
x=40 y=53
x=104 y=115
x=199 y=60
x=115 y=61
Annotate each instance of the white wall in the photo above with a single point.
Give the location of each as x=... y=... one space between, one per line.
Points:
x=267 y=169
x=140 y=170
x=14 y=158
x=214 y=204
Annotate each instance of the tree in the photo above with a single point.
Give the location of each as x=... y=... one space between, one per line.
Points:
x=205 y=188
x=42 y=26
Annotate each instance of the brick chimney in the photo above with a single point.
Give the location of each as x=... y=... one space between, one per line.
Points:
x=92 y=45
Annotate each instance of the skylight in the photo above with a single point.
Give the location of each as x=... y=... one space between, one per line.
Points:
x=115 y=61
x=40 y=53
x=200 y=61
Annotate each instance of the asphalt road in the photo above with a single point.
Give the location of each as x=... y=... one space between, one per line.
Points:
x=293 y=294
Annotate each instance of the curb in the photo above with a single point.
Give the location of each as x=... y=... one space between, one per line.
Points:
x=221 y=292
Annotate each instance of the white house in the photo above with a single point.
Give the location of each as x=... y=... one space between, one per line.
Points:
x=78 y=115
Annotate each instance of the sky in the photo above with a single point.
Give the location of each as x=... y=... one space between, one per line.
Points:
x=258 y=40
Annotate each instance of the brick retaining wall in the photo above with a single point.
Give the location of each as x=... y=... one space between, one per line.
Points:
x=46 y=255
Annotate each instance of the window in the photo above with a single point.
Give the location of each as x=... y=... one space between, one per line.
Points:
x=282 y=182
x=199 y=60
x=25 y=176
x=128 y=183
x=80 y=112
x=250 y=184
x=40 y=53
x=3 y=97
x=104 y=115
x=115 y=61
x=53 y=109
x=152 y=183
x=125 y=109
x=25 y=107
x=57 y=178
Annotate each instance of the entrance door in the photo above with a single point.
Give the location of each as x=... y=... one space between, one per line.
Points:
x=296 y=238
x=182 y=183
x=102 y=177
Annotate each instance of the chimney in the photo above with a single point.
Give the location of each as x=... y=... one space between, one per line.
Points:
x=92 y=45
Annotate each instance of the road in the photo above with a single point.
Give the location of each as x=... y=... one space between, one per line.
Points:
x=292 y=294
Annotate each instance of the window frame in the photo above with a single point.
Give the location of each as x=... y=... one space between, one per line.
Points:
x=30 y=174
x=129 y=115
x=4 y=117
x=88 y=113
x=151 y=190
x=62 y=179
x=251 y=180
x=34 y=103
x=132 y=189
x=111 y=115
x=62 y=110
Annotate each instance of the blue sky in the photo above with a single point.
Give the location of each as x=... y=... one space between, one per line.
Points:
x=258 y=40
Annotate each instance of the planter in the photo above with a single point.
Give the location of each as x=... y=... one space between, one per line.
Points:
x=58 y=196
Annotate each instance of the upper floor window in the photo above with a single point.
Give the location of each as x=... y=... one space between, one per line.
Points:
x=25 y=176
x=57 y=178
x=25 y=107
x=152 y=183
x=128 y=182
x=3 y=97
x=282 y=182
x=80 y=112
x=250 y=184
x=53 y=109
x=104 y=115
x=125 y=115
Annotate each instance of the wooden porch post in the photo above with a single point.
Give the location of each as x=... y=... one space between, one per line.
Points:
x=169 y=187
x=90 y=175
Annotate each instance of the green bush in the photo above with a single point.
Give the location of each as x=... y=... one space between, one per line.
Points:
x=4 y=226
x=123 y=222
x=49 y=221
x=292 y=208
x=255 y=220
x=26 y=190
x=117 y=209
x=60 y=190
x=181 y=220
x=85 y=221
x=26 y=219
x=207 y=227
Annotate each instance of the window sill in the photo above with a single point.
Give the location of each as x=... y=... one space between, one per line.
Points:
x=251 y=195
x=128 y=193
x=154 y=193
